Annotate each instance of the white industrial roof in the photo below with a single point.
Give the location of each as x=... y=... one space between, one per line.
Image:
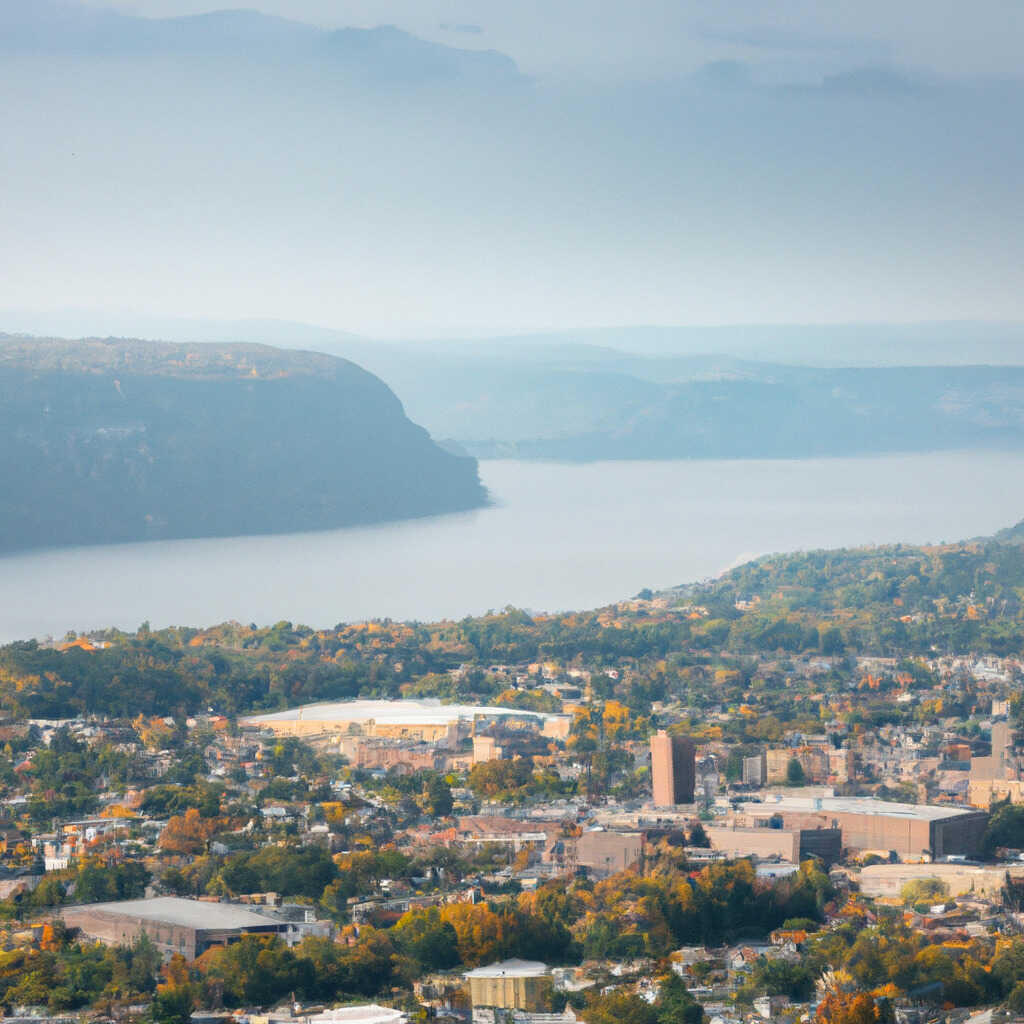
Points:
x=858 y=805
x=510 y=969
x=425 y=711
x=369 y=1013
x=185 y=913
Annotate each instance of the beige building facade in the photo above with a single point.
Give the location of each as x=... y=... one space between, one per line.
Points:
x=509 y=985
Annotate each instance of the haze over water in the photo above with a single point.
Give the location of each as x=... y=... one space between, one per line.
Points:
x=559 y=537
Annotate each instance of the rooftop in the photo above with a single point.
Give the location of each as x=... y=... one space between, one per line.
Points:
x=185 y=913
x=510 y=969
x=858 y=805
x=370 y=1013
x=425 y=711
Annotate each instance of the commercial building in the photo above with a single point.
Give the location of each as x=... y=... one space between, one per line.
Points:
x=777 y=764
x=510 y=984
x=792 y=845
x=485 y=748
x=816 y=762
x=604 y=853
x=909 y=830
x=982 y=792
x=368 y=1013
x=426 y=720
x=673 y=769
x=998 y=775
x=174 y=925
x=959 y=879
x=491 y=830
x=755 y=770
x=390 y=755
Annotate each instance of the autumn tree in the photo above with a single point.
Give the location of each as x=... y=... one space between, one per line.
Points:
x=186 y=833
x=619 y=1007
x=848 y=1008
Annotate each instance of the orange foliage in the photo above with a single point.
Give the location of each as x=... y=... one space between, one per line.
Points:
x=187 y=833
x=845 y=1008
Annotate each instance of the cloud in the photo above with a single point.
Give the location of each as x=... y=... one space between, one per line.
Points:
x=472 y=30
x=877 y=82
x=772 y=37
x=724 y=74
x=286 y=188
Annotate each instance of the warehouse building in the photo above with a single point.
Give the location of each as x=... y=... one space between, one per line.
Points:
x=959 y=879
x=794 y=845
x=174 y=925
x=909 y=830
x=425 y=720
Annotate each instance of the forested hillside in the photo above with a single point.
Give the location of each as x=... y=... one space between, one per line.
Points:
x=120 y=440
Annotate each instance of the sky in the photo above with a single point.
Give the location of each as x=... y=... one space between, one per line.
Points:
x=605 y=37
x=663 y=163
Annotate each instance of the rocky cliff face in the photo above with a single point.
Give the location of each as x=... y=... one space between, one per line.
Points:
x=115 y=440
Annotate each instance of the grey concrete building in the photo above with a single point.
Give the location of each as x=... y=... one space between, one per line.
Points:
x=174 y=925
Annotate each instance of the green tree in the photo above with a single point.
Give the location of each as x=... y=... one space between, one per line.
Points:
x=923 y=891
x=675 y=1005
x=431 y=942
x=698 y=837
x=1005 y=828
x=439 y=797
x=619 y=1007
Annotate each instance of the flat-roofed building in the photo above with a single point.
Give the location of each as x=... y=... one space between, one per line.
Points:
x=509 y=985
x=426 y=720
x=488 y=830
x=910 y=830
x=368 y=1013
x=605 y=853
x=959 y=879
x=792 y=845
x=982 y=792
x=372 y=753
x=485 y=748
x=173 y=924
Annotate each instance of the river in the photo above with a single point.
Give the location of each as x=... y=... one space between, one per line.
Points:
x=557 y=537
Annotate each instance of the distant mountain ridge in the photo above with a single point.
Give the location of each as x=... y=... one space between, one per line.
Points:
x=381 y=52
x=654 y=393
x=164 y=358
x=770 y=392
x=108 y=440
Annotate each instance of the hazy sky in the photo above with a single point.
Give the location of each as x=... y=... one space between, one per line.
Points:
x=864 y=163
x=643 y=36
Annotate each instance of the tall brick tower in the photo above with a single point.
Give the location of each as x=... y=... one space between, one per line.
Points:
x=672 y=769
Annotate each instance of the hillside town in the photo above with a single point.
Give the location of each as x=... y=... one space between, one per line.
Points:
x=765 y=800
x=333 y=821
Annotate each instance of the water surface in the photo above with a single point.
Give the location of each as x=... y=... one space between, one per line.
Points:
x=559 y=536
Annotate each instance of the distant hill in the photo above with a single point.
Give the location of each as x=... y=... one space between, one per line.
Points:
x=380 y=54
x=574 y=397
x=115 y=440
x=652 y=393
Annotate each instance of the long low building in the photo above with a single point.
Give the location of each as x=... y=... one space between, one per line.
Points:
x=173 y=924
x=910 y=830
x=789 y=844
x=424 y=720
x=959 y=879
